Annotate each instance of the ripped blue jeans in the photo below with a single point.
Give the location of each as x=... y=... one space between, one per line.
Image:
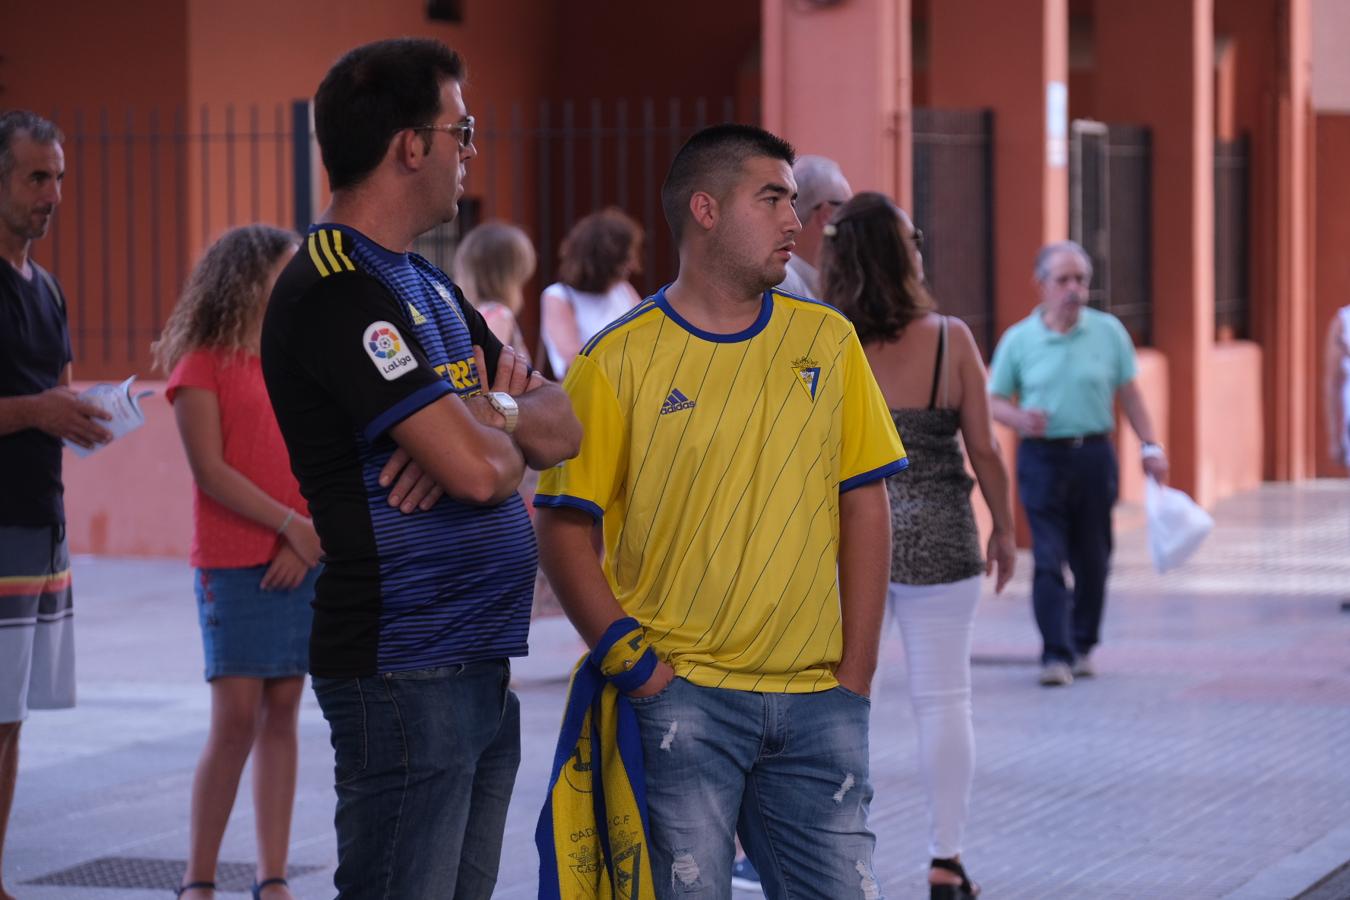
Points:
x=787 y=772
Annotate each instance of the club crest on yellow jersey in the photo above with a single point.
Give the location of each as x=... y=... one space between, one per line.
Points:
x=808 y=375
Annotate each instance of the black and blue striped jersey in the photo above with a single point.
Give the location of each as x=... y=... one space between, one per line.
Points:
x=357 y=338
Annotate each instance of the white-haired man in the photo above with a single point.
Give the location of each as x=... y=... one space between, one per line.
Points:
x=1065 y=364
x=821 y=189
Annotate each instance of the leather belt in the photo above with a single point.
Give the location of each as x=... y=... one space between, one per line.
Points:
x=1078 y=441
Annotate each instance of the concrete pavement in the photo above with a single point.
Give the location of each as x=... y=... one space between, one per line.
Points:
x=1207 y=760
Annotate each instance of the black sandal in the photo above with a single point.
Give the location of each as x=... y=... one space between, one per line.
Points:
x=966 y=890
x=259 y=885
x=196 y=886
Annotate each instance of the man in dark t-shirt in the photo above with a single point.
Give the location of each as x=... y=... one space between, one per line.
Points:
x=37 y=410
x=376 y=366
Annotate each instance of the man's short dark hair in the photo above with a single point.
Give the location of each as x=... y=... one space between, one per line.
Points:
x=370 y=94
x=711 y=161
x=38 y=129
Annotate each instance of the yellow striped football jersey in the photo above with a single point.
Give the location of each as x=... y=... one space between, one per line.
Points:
x=717 y=463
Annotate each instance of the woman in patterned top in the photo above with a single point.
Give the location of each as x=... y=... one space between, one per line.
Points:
x=930 y=372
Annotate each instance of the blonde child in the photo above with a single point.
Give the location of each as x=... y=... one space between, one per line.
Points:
x=492 y=264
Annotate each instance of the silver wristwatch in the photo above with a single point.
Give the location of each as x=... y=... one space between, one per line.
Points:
x=505 y=404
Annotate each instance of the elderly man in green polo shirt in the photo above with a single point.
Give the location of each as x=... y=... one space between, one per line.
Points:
x=1054 y=378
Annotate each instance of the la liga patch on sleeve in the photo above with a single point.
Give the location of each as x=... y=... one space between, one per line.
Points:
x=387 y=350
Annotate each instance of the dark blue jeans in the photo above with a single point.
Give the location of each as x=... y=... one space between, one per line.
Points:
x=1068 y=492
x=424 y=765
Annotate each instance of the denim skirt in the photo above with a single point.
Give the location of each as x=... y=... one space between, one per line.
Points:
x=253 y=633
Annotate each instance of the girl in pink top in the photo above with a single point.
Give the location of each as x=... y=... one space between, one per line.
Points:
x=255 y=549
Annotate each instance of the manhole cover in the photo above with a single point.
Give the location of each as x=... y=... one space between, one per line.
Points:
x=154 y=874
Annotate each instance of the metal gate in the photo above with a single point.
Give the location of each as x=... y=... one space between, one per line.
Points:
x=1110 y=214
x=953 y=205
x=150 y=190
x=1232 y=203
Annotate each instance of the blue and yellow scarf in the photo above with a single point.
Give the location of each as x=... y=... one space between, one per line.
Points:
x=592 y=833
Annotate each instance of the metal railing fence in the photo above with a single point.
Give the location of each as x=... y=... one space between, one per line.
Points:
x=147 y=190
x=953 y=205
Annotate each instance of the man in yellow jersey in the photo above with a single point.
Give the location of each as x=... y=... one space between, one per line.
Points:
x=734 y=450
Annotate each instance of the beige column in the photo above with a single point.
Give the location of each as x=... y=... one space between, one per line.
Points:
x=837 y=83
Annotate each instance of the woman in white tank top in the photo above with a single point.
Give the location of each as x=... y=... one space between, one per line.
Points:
x=598 y=256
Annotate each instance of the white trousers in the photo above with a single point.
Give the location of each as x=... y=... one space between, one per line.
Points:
x=936 y=623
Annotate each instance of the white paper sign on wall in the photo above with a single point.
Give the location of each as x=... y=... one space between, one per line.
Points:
x=1057 y=124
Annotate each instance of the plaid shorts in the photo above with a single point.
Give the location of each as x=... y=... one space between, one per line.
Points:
x=37 y=622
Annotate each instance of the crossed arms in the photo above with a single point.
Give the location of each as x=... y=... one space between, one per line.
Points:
x=458 y=447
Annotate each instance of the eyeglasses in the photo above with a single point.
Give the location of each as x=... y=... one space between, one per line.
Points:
x=835 y=204
x=463 y=130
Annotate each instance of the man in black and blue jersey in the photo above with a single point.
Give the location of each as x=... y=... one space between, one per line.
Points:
x=376 y=368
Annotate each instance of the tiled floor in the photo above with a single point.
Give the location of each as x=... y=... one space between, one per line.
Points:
x=1207 y=760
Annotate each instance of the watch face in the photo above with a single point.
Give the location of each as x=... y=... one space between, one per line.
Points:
x=505 y=404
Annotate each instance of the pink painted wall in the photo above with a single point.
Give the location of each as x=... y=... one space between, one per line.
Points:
x=837 y=82
x=133 y=497
x=1232 y=418
x=1155 y=384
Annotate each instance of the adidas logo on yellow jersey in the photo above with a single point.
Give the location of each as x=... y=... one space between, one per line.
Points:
x=676 y=402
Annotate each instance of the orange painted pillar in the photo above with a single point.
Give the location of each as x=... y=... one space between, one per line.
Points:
x=1292 y=349
x=1012 y=57
x=1332 y=237
x=1225 y=89
x=837 y=82
x=1155 y=67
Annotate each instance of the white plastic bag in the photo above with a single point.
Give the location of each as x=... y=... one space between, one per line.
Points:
x=1177 y=525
